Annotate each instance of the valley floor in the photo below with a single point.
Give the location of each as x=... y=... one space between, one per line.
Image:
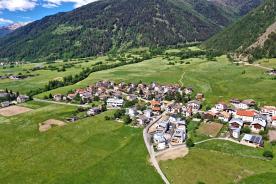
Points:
x=91 y=151
x=96 y=150
x=219 y=80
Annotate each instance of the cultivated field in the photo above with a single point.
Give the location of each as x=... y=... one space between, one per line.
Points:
x=92 y=150
x=13 y=110
x=210 y=129
x=218 y=80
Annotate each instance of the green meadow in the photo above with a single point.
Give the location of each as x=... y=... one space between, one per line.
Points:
x=221 y=162
x=219 y=80
x=43 y=76
x=92 y=150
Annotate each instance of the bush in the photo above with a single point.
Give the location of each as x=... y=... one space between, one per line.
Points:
x=127 y=120
x=273 y=143
x=107 y=118
x=246 y=130
x=190 y=143
x=268 y=154
x=264 y=134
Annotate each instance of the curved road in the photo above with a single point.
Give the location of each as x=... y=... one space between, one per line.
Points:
x=151 y=151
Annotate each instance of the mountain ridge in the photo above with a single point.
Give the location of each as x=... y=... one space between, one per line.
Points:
x=240 y=36
x=109 y=25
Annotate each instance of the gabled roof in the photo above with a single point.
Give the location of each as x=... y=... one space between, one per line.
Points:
x=236 y=120
x=248 y=113
x=259 y=122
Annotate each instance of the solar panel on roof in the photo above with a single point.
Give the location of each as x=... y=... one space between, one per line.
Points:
x=257 y=139
x=252 y=139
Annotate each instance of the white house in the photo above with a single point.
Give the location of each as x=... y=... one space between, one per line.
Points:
x=57 y=97
x=246 y=115
x=236 y=123
x=142 y=119
x=5 y=104
x=194 y=105
x=148 y=113
x=270 y=110
x=22 y=98
x=93 y=111
x=112 y=103
x=132 y=112
x=159 y=138
x=162 y=126
x=221 y=106
x=258 y=124
x=178 y=137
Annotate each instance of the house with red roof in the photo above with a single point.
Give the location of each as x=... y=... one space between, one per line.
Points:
x=246 y=115
x=155 y=105
x=273 y=121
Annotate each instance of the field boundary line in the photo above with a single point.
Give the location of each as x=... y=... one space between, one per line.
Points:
x=59 y=103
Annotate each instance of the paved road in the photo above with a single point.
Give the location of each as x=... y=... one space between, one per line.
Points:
x=151 y=151
x=60 y=103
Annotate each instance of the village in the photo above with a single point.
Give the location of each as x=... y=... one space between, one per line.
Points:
x=167 y=110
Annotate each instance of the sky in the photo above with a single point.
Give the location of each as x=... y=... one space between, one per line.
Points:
x=19 y=11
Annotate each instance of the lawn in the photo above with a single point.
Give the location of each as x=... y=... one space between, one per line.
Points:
x=92 y=150
x=217 y=167
x=218 y=80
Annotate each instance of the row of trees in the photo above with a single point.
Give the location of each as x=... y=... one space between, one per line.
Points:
x=69 y=80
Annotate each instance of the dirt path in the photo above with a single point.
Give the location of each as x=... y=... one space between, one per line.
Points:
x=181 y=78
x=258 y=65
x=60 y=103
x=172 y=153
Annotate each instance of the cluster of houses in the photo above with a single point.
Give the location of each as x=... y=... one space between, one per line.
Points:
x=107 y=89
x=240 y=114
x=168 y=131
x=115 y=95
x=6 y=101
x=237 y=113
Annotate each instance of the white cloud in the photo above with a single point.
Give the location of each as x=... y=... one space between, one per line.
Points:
x=55 y=3
x=14 y=5
x=5 y=21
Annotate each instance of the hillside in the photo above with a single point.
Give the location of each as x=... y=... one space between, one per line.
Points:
x=253 y=35
x=4 y=30
x=241 y=7
x=116 y=24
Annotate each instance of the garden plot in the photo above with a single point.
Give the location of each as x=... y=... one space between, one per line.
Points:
x=13 y=110
x=210 y=129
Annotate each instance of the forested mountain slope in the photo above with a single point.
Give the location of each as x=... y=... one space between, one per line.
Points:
x=116 y=24
x=253 y=35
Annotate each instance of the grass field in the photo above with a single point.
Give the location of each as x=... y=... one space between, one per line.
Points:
x=213 y=164
x=41 y=77
x=91 y=151
x=219 y=80
x=271 y=63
